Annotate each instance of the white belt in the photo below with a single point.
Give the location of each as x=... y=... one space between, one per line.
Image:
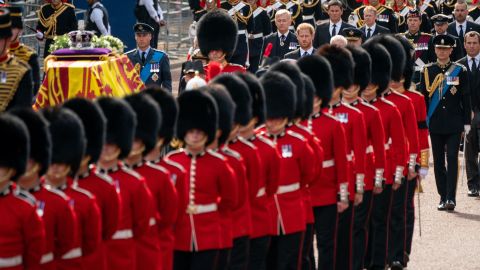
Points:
x=307 y=17
x=328 y=163
x=205 y=208
x=46 y=258
x=288 y=188
x=123 y=234
x=72 y=254
x=255 y=36
x=241 y=32
x=11 y=262
x=387 y=145
x=350 y=157
x=152 y=221
x=261 y=192
x=369 y=149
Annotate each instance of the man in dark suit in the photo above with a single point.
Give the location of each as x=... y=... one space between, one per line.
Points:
x=152 y=64
x=305 y=38
x=283 y=41
x=334 y=26
x=472 y=62
x=440 y=25
x=371 y=28
x=460 y=26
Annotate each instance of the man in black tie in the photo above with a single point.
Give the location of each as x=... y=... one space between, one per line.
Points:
x=371 y=28
x=305 y=38
x=333 y=27
x=461 y=26
x=471 y=61
x=282 y=40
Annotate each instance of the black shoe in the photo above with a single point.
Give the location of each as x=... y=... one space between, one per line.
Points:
x=441 y=206
x=473 y=192
x=396 y=265
x=450 y=205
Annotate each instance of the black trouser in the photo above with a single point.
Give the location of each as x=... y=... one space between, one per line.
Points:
x=240 y=251
x=411 y=186
x=224 y=257
x=325 y=230
x=48 y=43
x=308 y=260
x=446 y=178
x=258 y=252
x=254 y=63
x=471 y=155
x=376 y=257
x=343 y=254
x=361 y=223
x=397 y=230
x=200 y=260
x=240 y=54
x=285 y=252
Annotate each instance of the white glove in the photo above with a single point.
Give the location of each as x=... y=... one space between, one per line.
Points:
x=39 y=35
x=467 y=128
x=423 y=172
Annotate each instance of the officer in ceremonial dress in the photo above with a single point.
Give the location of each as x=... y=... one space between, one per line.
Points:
x=385 y=16
x=262 y=28
x=153 y=65
x=474 y=12
x=55 y=19
x=312 y=12
x=295 y=9
x=446 y=89
x=440 y=26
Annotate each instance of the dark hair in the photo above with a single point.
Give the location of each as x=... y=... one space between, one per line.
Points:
x=335 y=3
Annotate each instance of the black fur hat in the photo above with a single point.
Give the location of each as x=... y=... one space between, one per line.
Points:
x=279 y=95
x=320 y=72
x=149 y=119
x=197 y=110
x=15 y=144
x=309 y=95
x=293 y=72
x=216 y=30
x=5 y=23
x=257 y=94
x=363 y=66
x=341 y=62
x=226 y=109
x=240 y=94
x=397 y=54
x=94 y=124
x=169 y=107
x=409 y=62
x=68 y=137
x=121 y=123
x=40 y=140
x=381 y=65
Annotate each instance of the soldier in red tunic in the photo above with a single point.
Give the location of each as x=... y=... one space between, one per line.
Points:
x=53 y=206
x=68 y=148
x=134 y=196
x=207 y=187
x=22 y=235
x=395 y=150
x=375 y=152
x=296 y=171
x=100 y=185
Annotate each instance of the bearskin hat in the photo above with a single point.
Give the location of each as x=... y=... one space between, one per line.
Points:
x=363 y=66
x=320 y=72
x=240 y=94
x=257 y=94
x=216 y=30
x=279 y=95
x=169 y=107
x=149 y=119
x=226 y=109
x=121 y=123
x=68 y=137
x=409 y=62
x=341 y=62
x=397 y=54
x=290 y=68
x=309 y=95
x=197 y=110
x=381 y=65
x=15 y=144
x=94 y=124
x=40 y=140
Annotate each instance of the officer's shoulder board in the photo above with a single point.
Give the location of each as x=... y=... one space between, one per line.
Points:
x=246 y=142
x=131 y=52
x=57 y=192
x=266 y=141
x=384 y=100
x=415 y=92
x=216 y=155
x=460 y=65
x=131 y=172
x=426 y=67
x=69 y=5
x=157 y=167
x=84 y=192
x=174 y=164
x=231 y=153
x=104 y=177
x=296 y=135
x=159 y=51
x=25 y=196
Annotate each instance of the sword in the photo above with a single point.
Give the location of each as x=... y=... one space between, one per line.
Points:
x=419 y=210
x=31 y=28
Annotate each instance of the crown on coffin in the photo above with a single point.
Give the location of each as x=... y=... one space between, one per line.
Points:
x=81 y=39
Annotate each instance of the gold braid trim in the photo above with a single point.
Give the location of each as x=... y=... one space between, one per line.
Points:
x=50 y=23
x=424 y=156
x=14 y=70
x=438 y=81
x=314 y=3
x=299 y=10
x=244 y=19
x=23 y=52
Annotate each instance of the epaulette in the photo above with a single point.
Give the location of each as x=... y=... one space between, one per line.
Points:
x=157 y=167
x=215 y=154
x=387 y=7
x=366 y=104
x=21 y=62
x=357 y=10
x=103 y=177
x=156 y=50
x=296 y=135
x=131 y=172
x=415 y=92
x=175 y=152
x=232 y=153
x=246 y=142
x=56 y=192
x=351 y=107
x=174 y=164
x=460 y=65
x=25 y=196
x=84 y=192
x=131 y=51
x=387 y=102
x=266 y=141
x=69 y=5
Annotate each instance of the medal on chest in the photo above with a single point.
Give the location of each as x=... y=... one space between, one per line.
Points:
x=40 y=208
x=342 y=117
x=287 y=151
x=3 y=77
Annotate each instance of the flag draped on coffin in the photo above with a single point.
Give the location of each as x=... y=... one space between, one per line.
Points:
x=89 y=76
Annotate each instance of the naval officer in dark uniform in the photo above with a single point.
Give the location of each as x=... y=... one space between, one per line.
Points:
x=152 y=64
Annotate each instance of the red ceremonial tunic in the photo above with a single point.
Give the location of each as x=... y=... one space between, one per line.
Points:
x=419 y=105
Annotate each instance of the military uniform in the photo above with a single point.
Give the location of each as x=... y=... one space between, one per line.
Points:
x=424 y=51
x=293 y=6
x=446 y=7
x=445 y=87
x=402 y=15
x=262 y=28
x=385 y=17
x=474 y=13
x=143 y=15
x=458 y=52
x=312 y=11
